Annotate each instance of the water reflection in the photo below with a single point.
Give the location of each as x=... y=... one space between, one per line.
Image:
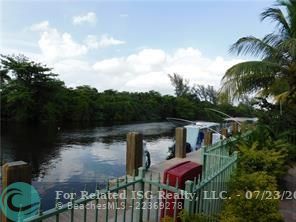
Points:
x=71 y=157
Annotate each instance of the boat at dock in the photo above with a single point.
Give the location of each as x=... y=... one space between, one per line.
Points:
x=195 y=133
x=196 y=130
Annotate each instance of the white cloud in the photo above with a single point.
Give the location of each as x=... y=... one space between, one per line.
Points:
x=148 y=69
x=91 y=41
x=74 y=72
x=109 y=65
x=148 y=57
x=55 y=45
x=105 y=41
x=123 y=15
x=44 y=25
x=90 y=18
x=142 y=71
x=145 y=61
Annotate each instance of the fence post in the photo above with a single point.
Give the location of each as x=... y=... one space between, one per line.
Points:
x=204 y=162
x=134 y=153
x=208 y=138
x=235 y=156
x=224 y=132
x=188 y=202
x=18 y=171
x=180 y=148
x=234 y=128
x=141 y=189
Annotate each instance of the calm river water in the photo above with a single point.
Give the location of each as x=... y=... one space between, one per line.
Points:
x=68 y=159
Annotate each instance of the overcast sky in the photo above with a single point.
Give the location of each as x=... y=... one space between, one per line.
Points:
x=131 y=45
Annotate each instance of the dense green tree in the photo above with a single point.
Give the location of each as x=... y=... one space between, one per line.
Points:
x=31 y=92
x=186 y=109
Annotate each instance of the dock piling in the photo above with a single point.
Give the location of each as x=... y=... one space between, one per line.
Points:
x=208 y=138
x=180 y=151
x=134 y=152
x=224 y=132
x=18 y=171
x=235 y=128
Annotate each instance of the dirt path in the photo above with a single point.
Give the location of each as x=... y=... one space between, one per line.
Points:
x=288 y=206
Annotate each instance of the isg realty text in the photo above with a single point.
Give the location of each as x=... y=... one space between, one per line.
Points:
x=60 y=195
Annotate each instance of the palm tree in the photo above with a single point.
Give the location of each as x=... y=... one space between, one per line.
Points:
x=275 y=73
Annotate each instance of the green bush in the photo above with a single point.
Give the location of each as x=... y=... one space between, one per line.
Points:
x=262 y=162
x=254 y=197
x=255 y=158
x=184 y=216
x=290 y=137
x=241 y=209
x=253 y=181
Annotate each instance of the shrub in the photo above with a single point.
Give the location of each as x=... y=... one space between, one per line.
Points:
x=262 y=161
x=184 y=216
x=253 y=181
x=240 y=209
x=254 y=158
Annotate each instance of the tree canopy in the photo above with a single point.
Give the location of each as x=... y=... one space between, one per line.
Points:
x=31 y=92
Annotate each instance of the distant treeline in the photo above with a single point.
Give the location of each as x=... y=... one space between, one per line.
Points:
x=30 y=92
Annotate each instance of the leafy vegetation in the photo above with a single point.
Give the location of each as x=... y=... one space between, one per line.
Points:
x=273 y=76
x=184 y=216
x=262 y=162
x=265 y=155
x=241 y=209
x=30 y=92
x=256 y=159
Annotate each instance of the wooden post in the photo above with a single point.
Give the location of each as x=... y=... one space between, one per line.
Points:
x=134 y=153
x=208 y=138
x=234 y=128
x=12 y=172
x=180 y=148
x=224 y=132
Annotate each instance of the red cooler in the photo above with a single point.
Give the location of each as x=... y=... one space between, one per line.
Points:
x=183 y=171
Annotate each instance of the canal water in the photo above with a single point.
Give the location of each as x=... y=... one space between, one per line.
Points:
x=71 y=159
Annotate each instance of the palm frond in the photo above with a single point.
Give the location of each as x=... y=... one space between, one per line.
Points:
x=248 y=77
x=288 y=48
x=272 y=39
x=290 y=6
x=276 y=15
x=253 y=46
x=277 y=89
x=275 y=73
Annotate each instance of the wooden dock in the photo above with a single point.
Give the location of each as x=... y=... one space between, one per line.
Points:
x=160 y=167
